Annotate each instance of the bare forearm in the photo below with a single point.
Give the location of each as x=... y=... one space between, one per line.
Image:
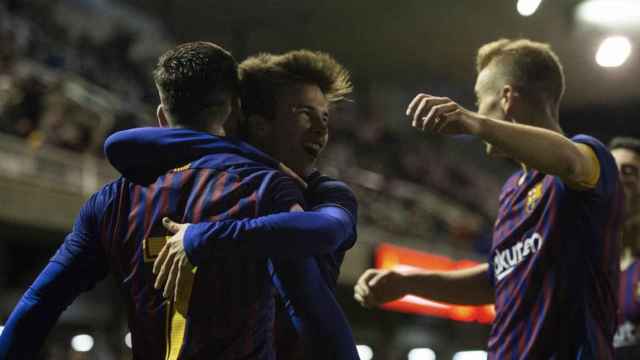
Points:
x=462 y=287
x=538 y=148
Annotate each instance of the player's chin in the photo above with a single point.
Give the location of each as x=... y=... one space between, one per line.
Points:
x=311 y=154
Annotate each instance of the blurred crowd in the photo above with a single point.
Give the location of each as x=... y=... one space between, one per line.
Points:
x=64 y=88
x=64 y=91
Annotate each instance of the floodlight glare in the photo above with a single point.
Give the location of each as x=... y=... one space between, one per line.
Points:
x=528 y=7
x=470 y=355
x=82 y=343
x=365 y=352
x=610 y=13
x=613 y=51
x=421 y=354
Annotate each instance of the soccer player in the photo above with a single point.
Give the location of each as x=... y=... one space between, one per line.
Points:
x=554 y=264
x=286 y=101
x=626 y=152
x=225 y=307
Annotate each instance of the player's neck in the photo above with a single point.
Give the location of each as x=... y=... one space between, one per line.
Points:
x=216 y=128
x=217 y=131
x=543 y=117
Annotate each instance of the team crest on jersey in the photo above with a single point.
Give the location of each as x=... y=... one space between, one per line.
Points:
x=533 y=197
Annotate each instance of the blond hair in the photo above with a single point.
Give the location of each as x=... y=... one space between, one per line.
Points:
x=530 y=66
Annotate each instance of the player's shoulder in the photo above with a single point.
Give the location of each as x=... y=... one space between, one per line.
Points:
x=601 y=151
x=587 y=139
x=324 y=190
x=608 y=182
x=322 y=182
x=232 y=163
x=108 y=193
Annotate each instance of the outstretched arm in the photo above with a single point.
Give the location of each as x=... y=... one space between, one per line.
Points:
x=143 y=154
x=285 y=235
x=293 y=234
x=462 y=287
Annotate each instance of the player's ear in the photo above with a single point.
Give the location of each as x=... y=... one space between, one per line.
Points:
x=162 y=116
x=509 y=98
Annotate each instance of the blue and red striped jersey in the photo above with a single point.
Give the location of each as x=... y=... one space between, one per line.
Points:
x=307 y=285
x=628 y=333
x=225 y=309
x=229 y=311
x=554 y=264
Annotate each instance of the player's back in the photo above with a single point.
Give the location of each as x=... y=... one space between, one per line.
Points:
x=225 y=310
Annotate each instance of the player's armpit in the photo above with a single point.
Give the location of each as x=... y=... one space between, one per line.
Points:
x=589 y=175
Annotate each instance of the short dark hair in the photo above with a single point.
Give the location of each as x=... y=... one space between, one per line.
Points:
x=628 y=143
x=189 y=74
x=264 y=75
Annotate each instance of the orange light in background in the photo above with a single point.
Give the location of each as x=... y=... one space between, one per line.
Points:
x=389 y=256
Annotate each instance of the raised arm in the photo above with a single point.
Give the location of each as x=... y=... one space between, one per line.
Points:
x=76 y=267
x=143 y=154
x=543 y=150
x=462 y=287
x=538 y=148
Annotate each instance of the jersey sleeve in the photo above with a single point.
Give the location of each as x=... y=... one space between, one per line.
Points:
x=281 y=194
x=285 y=234
x=324 y=195
x=313 y=309
x=293 y=234
x=143 y=154
x=76 y=267
x=607 y=178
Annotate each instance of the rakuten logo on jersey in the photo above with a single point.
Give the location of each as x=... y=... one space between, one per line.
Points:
x=505 y=261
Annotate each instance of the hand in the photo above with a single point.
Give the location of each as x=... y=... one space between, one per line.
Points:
x=172 y=263
x=441 y=115
x=376 y=287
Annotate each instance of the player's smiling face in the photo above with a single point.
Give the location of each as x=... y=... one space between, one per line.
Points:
x=300 y=127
